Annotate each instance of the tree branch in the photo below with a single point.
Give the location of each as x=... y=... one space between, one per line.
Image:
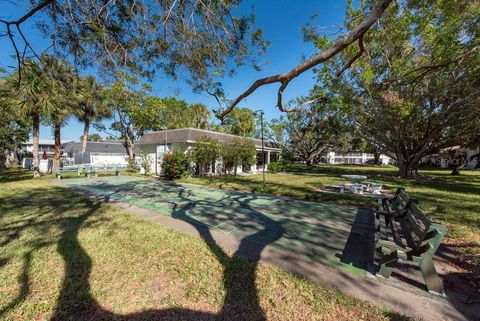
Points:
x=17 y=53
x=17 y=23
x=429 y=68
x=323 y=56
x=30 y=13
x=361 y=46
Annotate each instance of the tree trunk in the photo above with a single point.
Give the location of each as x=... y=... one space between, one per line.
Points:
x=309 y=160
x=458 y=166
x=3 y=160
x=36 y=133
x=129 y=145
x=58 y=146
x=86 y=129
x=407 y=168
x=376 y=158
x=455 y=171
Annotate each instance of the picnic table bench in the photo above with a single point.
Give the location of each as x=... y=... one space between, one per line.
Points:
x=418 y=241
x=79 y=170
x=105 y=169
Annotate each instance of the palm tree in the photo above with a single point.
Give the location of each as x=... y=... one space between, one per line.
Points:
x=91 y=106
x=201 y=115
x=32 y=94
x=62 y=84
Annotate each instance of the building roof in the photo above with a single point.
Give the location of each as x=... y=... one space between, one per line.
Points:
x=109 y=147
x=189 y=135
x=45 y=142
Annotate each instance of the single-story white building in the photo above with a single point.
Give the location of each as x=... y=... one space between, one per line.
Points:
x=97 y=153
x=354 y=158
x=156 y=144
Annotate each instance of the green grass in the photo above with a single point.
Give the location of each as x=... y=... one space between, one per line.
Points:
x=451 y=200
x=66 y=257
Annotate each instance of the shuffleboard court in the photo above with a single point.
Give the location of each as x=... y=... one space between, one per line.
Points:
x=336 y=235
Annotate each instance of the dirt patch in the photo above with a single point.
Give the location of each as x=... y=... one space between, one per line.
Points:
x=460 y=273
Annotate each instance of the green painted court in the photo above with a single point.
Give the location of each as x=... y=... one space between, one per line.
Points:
x=338 y=236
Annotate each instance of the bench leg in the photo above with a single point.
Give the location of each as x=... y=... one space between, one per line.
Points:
x=387 y=264
x=430 y=275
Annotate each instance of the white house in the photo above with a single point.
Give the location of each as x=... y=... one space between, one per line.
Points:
x=454 y=156
x=97 y=153
x=155 y=144
x=44 y=145
x=354 y=158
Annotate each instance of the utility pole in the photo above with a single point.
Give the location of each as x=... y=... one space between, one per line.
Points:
x=166 y=141
x=263 y=150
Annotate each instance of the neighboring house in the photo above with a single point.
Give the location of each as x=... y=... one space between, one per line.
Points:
x=97 y=153
x=155 y=144
x=453 y=156
x=44 y=145
x=354 y=158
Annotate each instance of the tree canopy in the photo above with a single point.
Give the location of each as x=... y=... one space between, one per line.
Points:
x=14 y=127
x=416 y=90
x=240 y=121
x=197 y=39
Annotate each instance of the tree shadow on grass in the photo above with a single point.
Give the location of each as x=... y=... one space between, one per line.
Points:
x=15 y=174
x=75 y=301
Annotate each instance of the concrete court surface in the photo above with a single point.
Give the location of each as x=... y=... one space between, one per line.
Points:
x=329 y=244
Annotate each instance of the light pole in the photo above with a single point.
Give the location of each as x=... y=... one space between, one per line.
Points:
x=263 y=149
x=166 y=141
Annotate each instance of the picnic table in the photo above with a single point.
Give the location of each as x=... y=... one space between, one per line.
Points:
x=375 y=187
x=355 y=187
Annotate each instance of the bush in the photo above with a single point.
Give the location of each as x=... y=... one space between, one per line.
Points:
x=237 y=152
x=204 y=152
x=132 y=166
x=175 y=165
x=278 y=166
x=145 y=163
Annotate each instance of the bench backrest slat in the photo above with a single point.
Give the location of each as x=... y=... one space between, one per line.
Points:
x=419 y=226
x=400 y=201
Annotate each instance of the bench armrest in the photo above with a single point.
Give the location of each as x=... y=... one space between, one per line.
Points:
x=391 y=247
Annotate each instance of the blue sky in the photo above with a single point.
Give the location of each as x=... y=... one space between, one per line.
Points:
x=281 y=21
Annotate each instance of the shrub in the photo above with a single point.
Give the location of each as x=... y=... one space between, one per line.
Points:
x=278 y=166
x=228 y=154
x=204 y=152
x=236 y=152
x=132 y=166
x=145 y=163
x=247 y=155
x=175 y=165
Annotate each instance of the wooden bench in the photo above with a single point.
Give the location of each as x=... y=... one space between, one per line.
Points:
x=418 y=242
x=394 y=207
x=105 y=169
x=75 y=169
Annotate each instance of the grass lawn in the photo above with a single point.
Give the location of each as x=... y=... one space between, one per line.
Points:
x=66 y=257
x=451 y=200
